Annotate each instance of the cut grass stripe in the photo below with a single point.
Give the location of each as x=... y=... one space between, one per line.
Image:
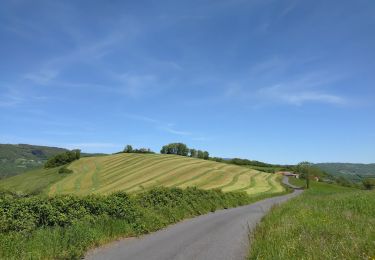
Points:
x=135 y=172
x=154 y=177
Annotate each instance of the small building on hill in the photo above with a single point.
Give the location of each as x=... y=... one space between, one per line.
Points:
x=290 y=174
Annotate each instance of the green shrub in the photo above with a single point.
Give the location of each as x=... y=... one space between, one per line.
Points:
x=63 y=158
x=64 y=227
x=64 y=169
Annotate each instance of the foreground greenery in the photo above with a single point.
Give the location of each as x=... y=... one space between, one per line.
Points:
x=67 y=226
x=325 y=222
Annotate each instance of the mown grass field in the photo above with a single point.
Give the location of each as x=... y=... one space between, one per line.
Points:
x=325 y=222
x=137 y=172
x=32 y=182
x=81 y=216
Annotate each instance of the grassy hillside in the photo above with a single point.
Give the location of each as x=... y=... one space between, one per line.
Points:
x=325 y=222
x=19 y=158
x=136 y=172
x=31 y=182
x=351 y=171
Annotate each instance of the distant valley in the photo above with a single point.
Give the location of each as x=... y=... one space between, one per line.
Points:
x=351 y=171
x=19 y=158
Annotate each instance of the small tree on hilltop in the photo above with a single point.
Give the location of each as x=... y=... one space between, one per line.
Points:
x=128 y=149
x=193 y=153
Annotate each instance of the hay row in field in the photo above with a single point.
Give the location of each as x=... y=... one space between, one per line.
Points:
x=136 y=172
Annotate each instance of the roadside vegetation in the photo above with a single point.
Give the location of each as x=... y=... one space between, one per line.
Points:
x=326 y=222
x=65 y=227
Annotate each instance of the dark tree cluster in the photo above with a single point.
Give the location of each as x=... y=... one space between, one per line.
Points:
x=369 y=183
x=182 y=149
x=63 y=158
x=239 y=161
x=129 y=149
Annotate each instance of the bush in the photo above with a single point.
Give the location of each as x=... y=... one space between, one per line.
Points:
x=63 y=158
x=64 y=169
x=28 y=213
x=368 y=183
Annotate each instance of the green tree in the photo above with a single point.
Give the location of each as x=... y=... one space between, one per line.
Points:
x=128 y=149
x=200 y=154
x=304 y=169
x=63 y=158
x=369 y=183
x=206 y=155
x=175 y=148
x=193 y=153
x=78 y=154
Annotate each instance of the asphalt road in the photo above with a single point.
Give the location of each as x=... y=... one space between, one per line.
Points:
x=219 y=235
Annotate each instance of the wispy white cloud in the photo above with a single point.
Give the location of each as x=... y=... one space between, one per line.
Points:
x=142 y=118
x=174 y=131
x=10 y=100
x=14 y=96
x=166 y=127
x=298 y=97
x=201 y=138
x=289 y=8
x=94 y=145
x=136 y=85
x=42 y=77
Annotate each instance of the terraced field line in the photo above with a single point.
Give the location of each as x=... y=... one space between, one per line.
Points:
x=199 y=176
x=130 y=165
x=234 y=180
x=180 y=172
x=242 y=182
x=135 y=177
x=190 y=166
x=133 y=174
x=95 y=177
x=261 y=186
x=135 y=170
x=252 y=182
x=227 y=178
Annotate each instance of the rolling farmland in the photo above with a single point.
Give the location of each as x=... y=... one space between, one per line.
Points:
x=137 y=172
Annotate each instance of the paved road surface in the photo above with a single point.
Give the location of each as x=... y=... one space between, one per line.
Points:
x=215 y=236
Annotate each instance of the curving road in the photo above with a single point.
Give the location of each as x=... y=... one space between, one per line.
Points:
x=219 y=235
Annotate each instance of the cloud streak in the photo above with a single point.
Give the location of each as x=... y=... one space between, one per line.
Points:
x=165 y=127
x=298 y=97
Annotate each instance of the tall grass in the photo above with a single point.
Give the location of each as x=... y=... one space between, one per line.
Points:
x=325 y=222
x=65 y=227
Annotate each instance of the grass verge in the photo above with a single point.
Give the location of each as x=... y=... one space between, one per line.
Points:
x=325 y=222
x=65 y=227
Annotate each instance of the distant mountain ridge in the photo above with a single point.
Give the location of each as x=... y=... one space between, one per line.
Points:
x=352 y=171
x=19 y=158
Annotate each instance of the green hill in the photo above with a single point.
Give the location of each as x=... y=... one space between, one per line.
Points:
x=137 y=172
x=19 y=158
x=352 y=171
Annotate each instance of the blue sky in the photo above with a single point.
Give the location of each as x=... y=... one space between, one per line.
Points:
x=270 y=80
